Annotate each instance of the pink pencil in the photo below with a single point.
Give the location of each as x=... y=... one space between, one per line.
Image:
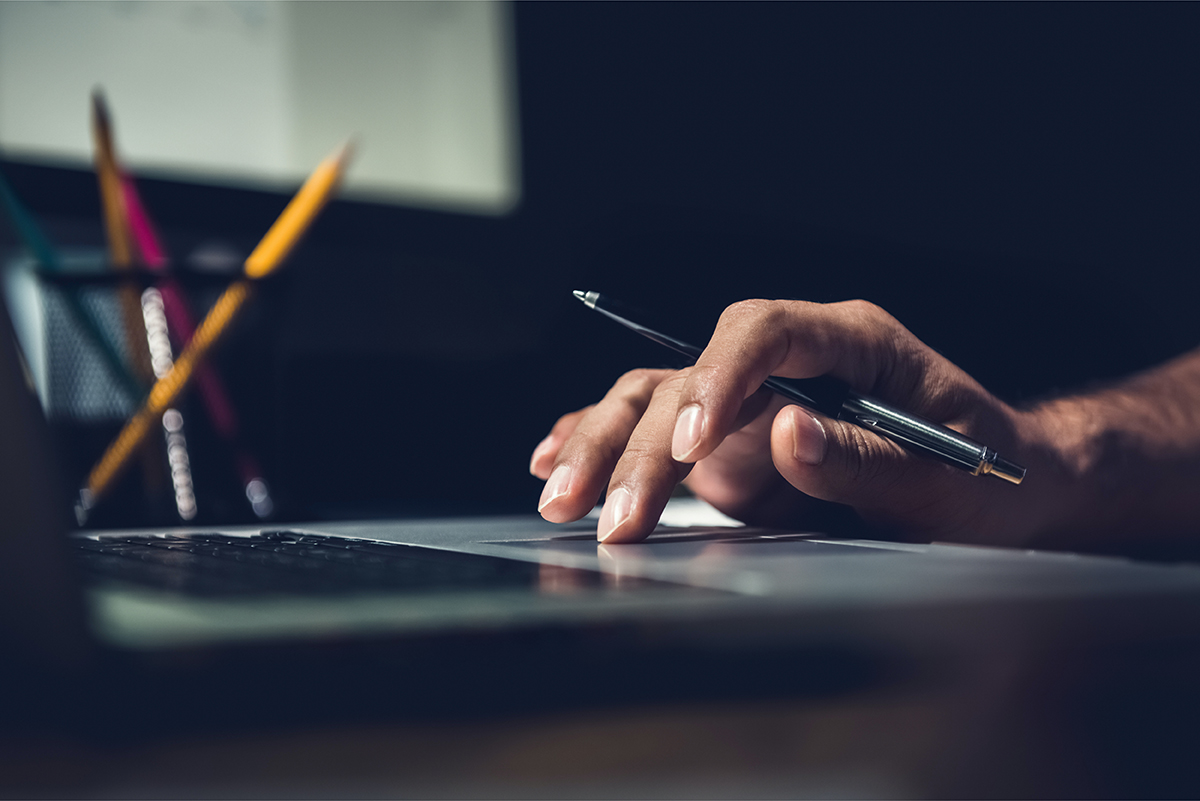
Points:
x=181 y=326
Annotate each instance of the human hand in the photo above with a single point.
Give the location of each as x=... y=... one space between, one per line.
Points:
x=755 y=457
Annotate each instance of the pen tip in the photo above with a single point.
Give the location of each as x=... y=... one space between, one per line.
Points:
x=589 y=299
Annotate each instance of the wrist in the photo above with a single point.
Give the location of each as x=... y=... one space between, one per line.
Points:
x=1045 y=505
x=1079 y=492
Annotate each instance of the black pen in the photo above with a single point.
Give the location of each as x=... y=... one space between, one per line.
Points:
x=835 y=399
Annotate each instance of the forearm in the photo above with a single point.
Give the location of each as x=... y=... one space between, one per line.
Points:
x=1127 y=457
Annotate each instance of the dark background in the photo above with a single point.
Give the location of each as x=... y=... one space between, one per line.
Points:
x=1017 y=183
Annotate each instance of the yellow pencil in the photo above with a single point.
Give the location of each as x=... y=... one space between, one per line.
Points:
x=116 y=223
x=267 y=256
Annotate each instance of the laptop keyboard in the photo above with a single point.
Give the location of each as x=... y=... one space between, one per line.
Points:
x=289 y=562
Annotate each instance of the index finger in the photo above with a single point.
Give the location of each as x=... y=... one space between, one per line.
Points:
x=756 y=339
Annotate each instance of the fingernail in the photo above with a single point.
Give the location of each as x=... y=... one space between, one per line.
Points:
x=617 y=507
x=539 y=452
x=687 y=432
x=808 y=438
x=556 y=486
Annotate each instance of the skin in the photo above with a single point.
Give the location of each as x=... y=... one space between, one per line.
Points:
x=1105 y=470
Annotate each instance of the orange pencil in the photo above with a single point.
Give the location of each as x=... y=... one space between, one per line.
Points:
x=120 y=254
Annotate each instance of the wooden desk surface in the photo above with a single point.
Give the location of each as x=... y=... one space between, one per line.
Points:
x=999 y=730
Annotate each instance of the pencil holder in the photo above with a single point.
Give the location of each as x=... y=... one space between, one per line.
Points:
x=94 y=339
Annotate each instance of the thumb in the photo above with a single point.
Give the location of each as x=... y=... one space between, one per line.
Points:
x=841 y=462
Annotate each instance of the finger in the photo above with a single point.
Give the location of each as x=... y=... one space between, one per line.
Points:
x=645 y=475
x=855 y=341
x=546 y=452
x=738 y=470
x=587 y=457
x=836 y=461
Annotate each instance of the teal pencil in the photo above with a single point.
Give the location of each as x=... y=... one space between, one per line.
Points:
x=47 y=256
x=28 y=230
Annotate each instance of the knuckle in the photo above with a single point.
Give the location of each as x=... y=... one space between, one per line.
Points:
x=867 y=312
x=594 y=445
x=639 y=382
x=646 y=462
x=882 y=342
x=640 y=452
x=673 y=383
x=863 y=458
x=568 y=422
x=702 y=376
x=747 y=310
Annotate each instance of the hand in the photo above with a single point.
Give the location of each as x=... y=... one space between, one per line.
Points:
x=755 y=457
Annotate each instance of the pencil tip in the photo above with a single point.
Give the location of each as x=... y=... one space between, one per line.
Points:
x=101 y=122
x=580 y=294
x=346 y=151
x=99 y=105
x=83 y=506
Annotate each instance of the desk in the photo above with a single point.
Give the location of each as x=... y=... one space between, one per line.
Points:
x=1005 y=728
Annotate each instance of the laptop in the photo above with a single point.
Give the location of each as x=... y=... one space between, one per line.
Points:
x=251 y=626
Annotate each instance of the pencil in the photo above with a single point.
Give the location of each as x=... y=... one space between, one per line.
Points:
x=120 y=254
x=116 y=223
x=156 y=316
x=28 y=230
x=265 y=259
x=180 y=326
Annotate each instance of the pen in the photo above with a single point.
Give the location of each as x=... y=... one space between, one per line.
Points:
x=835 y=399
